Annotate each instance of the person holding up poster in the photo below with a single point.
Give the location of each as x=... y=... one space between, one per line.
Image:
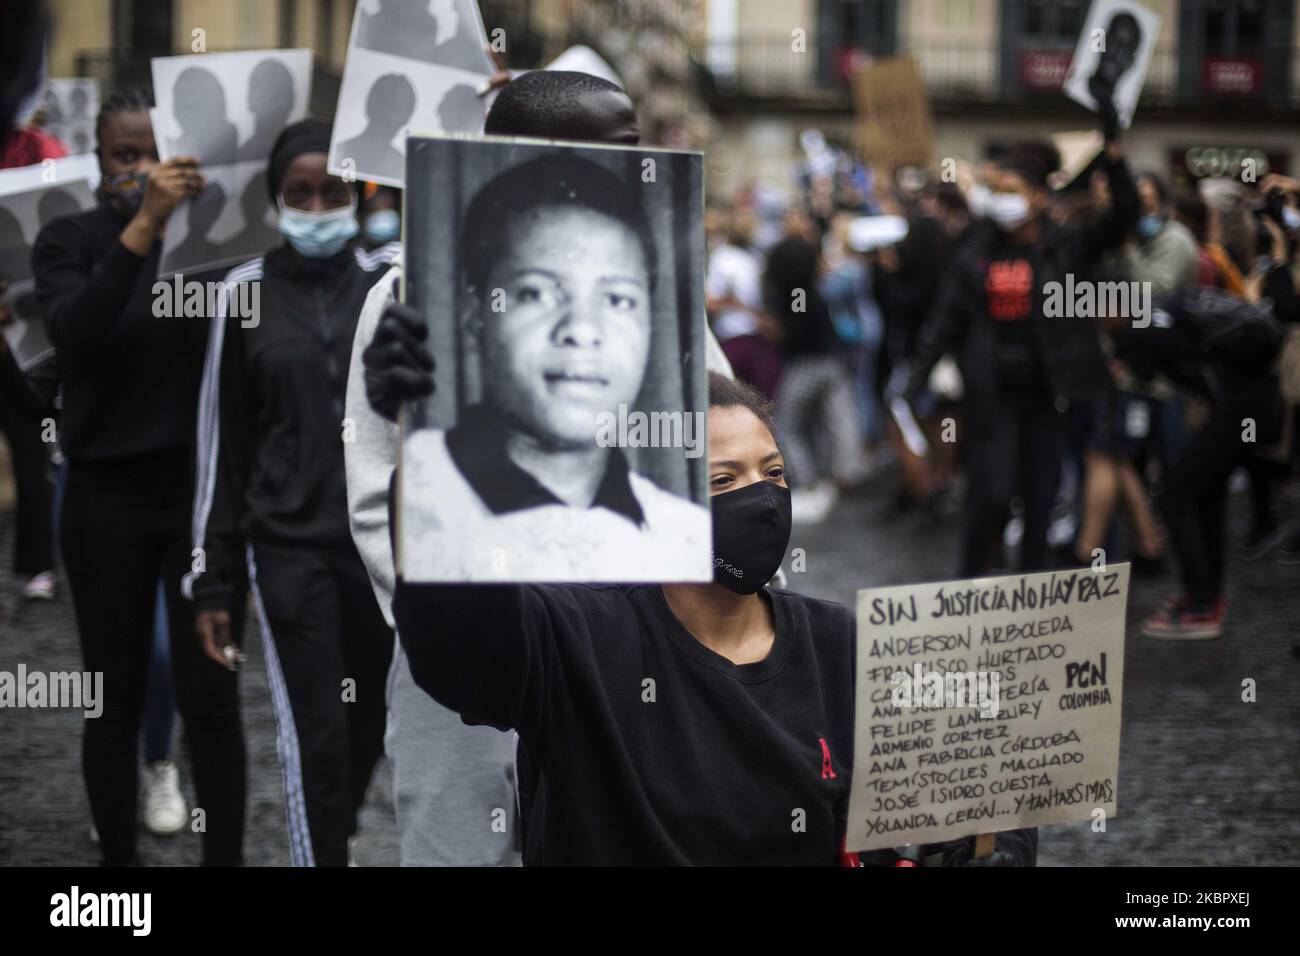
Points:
x=671 y=724
x=444 y=772
x=130 y=401
x=275 y=483
x=1023 y=366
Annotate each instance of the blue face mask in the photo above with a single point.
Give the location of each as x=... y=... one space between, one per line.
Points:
x=1149 y=226
x=383 y=225
x=318 y=235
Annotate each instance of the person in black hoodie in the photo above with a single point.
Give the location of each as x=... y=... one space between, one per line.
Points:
x=274 y=387
x=674 y=724
x=130 y=394
x=1022 y=368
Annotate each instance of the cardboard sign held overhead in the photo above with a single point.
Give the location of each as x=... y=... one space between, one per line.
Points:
x=894 y=114
x=986 y=705
x=1112 y=56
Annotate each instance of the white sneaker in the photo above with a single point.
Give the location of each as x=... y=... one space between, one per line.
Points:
x=812 y=505
x=164 y=807
x=40 y=587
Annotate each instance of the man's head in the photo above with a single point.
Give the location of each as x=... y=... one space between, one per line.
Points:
x=390 y=103
x=198 y=98
x=1123 y=37
x=1153 y=193
x=560 y=266
x=270 y=92
x=560 y=104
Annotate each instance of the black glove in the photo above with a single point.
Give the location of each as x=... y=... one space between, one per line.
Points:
x=398 y=366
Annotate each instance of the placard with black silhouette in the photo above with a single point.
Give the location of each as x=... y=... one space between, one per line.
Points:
x=412 y=65
x=226 y=109
x=22 y=215
x=69 y=107
x=564 y=293
x=1112 y=57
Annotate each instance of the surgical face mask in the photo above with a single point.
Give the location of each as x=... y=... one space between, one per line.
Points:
x=318 y=235
x=1009 y=211
x=1149 y=226
x=383 y=225
x=751 y=529
x=1290 y=218
x=125 y=192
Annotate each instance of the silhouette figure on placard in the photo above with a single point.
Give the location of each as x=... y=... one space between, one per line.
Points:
x=50 y=107
x=444 y=36
x=56 y=203
x=461 y=110
x=15 y=253
x=270 y=100
x=1123 y=39
x=196 y=249
x=389 y=107
x=256 y=237
x=78 y=103
x=199 y=108
x=80 y=141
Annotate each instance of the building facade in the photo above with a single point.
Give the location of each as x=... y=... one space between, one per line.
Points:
x=1224 y=81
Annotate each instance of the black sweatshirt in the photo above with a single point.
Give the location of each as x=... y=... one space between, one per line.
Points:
x=276 y=384
x=130 y=379
x=653 y=749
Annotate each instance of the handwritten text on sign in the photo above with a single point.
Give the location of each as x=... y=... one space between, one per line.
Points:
x=987 y=704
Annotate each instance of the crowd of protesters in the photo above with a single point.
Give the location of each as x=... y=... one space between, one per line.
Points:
x=871 y=319
x=908 y=320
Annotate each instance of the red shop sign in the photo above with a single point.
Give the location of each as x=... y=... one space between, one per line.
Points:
x=1044 y=69
x=1228 y=76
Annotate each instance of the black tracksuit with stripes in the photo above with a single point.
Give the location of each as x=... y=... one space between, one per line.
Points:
x=275 y=383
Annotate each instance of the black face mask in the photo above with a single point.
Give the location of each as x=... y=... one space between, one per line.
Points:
x=751 y=528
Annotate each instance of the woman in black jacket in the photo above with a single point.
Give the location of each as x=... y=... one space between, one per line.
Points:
x=670 y=724
x=273 y=486
x=1022 y=366
x=130 y=393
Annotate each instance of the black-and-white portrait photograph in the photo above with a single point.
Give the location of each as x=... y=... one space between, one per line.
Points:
x=68 y=109
x=22 y=215
x=1112 y=56
x=227 y=109
x=412 y=66
x=565 y=438
x=442 y=32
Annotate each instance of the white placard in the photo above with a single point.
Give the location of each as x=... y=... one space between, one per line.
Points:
x=1113 y=54
x=987 y=704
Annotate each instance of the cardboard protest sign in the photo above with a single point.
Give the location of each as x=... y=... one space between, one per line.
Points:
x=988 y=704
x=227 y=109
x=563 y=286
x=22 y=214
x=411 y=65
x=70 y=107
x=894 y=114
x=1112 y=56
